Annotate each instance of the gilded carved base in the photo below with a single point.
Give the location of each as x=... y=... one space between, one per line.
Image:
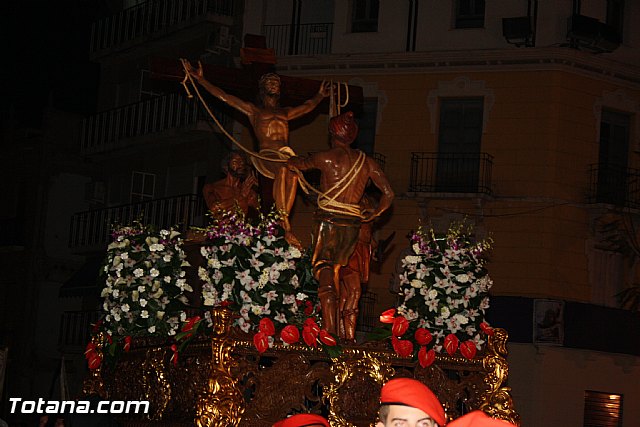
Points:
x=225 y=382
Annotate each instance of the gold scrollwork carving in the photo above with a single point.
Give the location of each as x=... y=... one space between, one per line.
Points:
x=353 y=365
x=156 y=387
x=497 y=401
x=221 y=403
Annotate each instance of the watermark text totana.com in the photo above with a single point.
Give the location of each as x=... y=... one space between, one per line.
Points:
x=41 y=406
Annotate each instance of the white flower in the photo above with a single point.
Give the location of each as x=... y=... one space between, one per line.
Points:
x=154 y=272
x=151 y=329
x=138 y=272
x=143 y=302
x=115 y=293
x=159 y=315
x=244 y=277
x=416 y=283
x=270 y=296
x=301 y=296
x=461 y=319
x=124 y=255
x=156 y=247
x=144 y=314
x=214 y=263
x=295 y=252
x=444 y=312
x=423 y=271
x=462 y=278
x=412 y=259
x=125 y=308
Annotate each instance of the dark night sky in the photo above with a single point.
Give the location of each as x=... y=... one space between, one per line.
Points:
x=47 y=57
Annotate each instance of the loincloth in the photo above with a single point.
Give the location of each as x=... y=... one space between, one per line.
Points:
x=360 y=260
x=335 y=240
x=268 y=168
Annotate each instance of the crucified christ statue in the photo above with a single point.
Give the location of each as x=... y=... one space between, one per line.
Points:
x=270 y=123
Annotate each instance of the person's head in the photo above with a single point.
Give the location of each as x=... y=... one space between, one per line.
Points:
x=343 y=128
x=478 y=419
x=405 y=402
x=235 y=164
x=269 y=85
x=303 y=420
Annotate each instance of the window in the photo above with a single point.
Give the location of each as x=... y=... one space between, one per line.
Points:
x=612 y=181
x=367 y=126
x=602 y=409
x=469 y=13
x=142 y=186
x=460 y=134
x=615 y=16
x=364 y=16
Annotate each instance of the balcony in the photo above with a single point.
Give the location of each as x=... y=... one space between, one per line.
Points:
x=107 y=130
x=451 y=172
x=75 y=327
x=91 y=230
x=303 y=39
x=614 y=185
x=153 y=17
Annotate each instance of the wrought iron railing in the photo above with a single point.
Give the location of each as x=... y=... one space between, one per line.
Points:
x=92 y=228
x=75 y=327
x=303 y=39
x=106 y=130
x=367 y=318
x=614 y=185
x=151 y=17
x=451 y=172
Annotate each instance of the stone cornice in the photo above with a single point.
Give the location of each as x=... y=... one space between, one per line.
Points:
x=536 y=59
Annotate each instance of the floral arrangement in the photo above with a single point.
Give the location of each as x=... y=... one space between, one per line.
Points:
x=144 y=286
x=254 y=271
x=444 y=287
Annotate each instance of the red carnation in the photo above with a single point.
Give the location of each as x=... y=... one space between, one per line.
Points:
x=174 y=356
x=426 y=358
x=451 y=343
x=404 y=348
x=94 y=360
x=327 y=338
x=308 y=308
x=290 y=334
x=388 y=315
x=309 y=336
x=261 y=341
x=91 y=348
x=468 y=349
x=400 y=326
x=423 y=336
x=312 y=324
x=486 y=328
x=266 y=326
